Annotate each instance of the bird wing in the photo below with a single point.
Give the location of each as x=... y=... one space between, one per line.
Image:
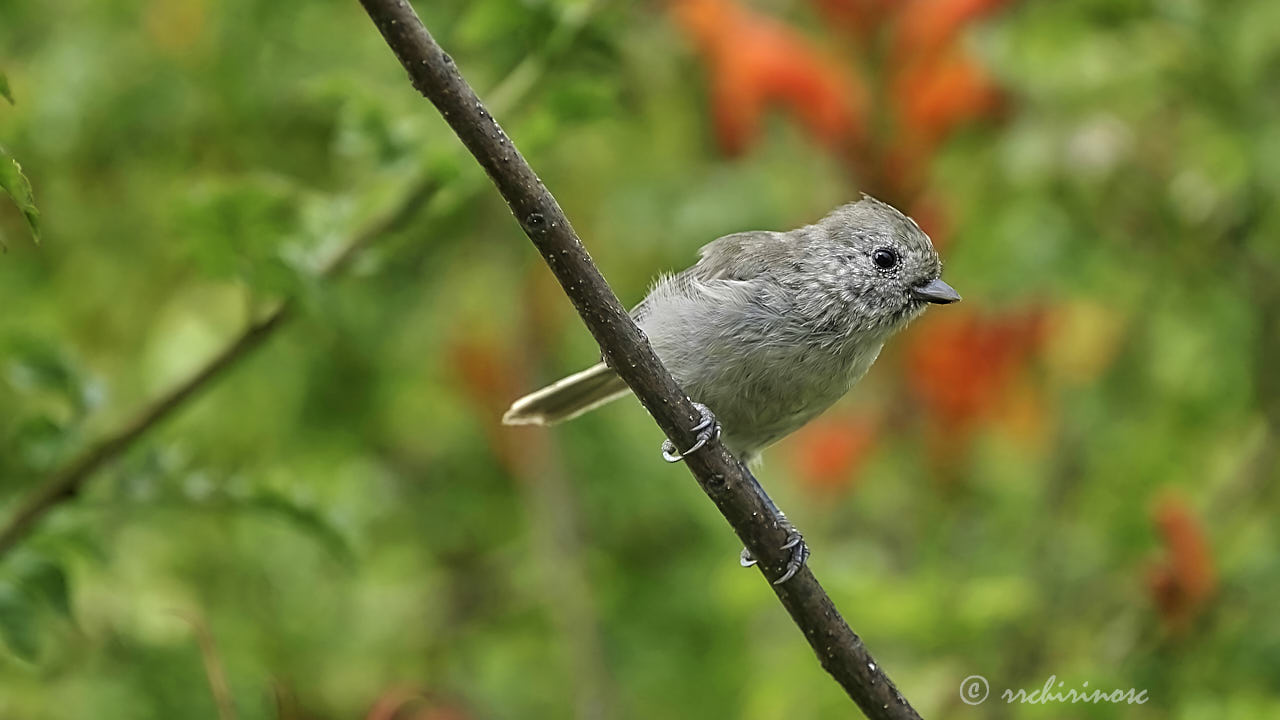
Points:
x=742 y=256
x=738 y=257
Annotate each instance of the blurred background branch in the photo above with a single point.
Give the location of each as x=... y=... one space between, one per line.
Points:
x=214 y=671
x=64 y=484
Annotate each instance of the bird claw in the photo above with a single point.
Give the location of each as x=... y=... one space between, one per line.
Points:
x=799 y=555
x=707 y=429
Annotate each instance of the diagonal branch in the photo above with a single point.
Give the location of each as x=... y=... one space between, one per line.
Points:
x=737 y=494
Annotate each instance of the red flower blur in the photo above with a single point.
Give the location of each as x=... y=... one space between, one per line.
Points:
x=409 y=704
x=1181 y=583
x=756 y=62
x=964 y=367
x=932 y=85
x=829 y=453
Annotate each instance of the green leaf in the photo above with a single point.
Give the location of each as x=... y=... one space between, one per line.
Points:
x=304 y=519
x=46 y=581
x=38 y=442
x=40 y=367
x=5 y=92
x=240 y=228
x=16 y=185
x=17 y=622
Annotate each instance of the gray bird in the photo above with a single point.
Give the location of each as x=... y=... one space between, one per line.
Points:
x=768 y=329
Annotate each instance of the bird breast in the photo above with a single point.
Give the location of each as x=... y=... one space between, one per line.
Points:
x=763 y=366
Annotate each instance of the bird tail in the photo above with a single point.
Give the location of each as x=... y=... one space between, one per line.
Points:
x=568 y=398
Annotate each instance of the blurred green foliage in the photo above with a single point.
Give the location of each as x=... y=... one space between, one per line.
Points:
x=344 y=514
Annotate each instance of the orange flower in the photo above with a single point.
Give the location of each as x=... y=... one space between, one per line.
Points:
x=1181 y=583
x=925 y=27
x=859 y=18
x=961 y=365
x=756 y=62
x=409 y=704
x=828 y=453
x=489 y=379
x=932 y=85
x=965 y=369
x=483 y=372
x=937 y=94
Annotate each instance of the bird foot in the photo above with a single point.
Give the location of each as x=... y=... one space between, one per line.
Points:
x=707 y=430
x=799 y=555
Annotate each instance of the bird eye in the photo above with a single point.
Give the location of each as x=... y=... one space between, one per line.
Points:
x=884 y=258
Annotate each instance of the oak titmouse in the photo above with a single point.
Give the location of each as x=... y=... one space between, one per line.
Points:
x=769 y=329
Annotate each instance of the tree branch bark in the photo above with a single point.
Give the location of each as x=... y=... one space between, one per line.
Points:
x=737 y=494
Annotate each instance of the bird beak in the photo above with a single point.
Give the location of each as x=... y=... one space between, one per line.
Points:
x=937 y=292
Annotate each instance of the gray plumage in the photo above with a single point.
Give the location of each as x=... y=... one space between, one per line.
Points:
x=769 y=329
